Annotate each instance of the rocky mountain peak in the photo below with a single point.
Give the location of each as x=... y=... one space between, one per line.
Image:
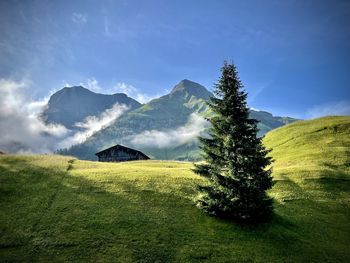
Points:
x=192 y=88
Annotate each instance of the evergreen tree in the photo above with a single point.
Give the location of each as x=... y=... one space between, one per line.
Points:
x=236 y=160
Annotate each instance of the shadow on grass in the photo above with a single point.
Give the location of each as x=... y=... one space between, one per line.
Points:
x=332 y=177
x=51 y=214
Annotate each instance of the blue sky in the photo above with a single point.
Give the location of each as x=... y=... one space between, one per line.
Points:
x=293 y=56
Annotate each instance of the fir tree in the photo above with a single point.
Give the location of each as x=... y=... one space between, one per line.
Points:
x=236 y=161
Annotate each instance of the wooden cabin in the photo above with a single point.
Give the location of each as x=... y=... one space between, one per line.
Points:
x=119 y=153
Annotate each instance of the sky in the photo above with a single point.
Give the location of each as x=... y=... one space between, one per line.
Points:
x=293 y=57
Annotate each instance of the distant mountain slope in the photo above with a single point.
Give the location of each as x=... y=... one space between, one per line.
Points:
x=166 y=127
x=74 y=104
x=268 y=122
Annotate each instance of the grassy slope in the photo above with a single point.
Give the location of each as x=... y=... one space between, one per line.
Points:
x=57 y=208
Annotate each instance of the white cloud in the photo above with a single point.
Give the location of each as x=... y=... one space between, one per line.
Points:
x=120 y=87
x=92 y=84
x=332 y=108
x=65 y=84
x=162 y=139
x=20 y=127
x=132 y=92
x=93 y=124
x=79 y=18
x=255 y=109
x=22 y=130
x=35 y=107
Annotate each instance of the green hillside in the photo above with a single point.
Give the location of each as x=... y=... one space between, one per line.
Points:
x=56 y=208
x=312 y=149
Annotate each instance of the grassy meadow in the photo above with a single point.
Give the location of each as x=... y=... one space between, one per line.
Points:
x=56 y=208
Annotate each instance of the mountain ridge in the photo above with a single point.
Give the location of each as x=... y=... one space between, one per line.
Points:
x=73 y=104
x=178 y=113
x=191 y=88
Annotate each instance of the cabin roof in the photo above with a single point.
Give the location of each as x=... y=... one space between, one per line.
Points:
x=121 y=147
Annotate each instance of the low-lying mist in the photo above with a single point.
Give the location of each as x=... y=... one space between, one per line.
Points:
x=171 y=138
x=23 y=131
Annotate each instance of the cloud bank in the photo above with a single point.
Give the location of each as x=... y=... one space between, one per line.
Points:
x=162 y=139
x=20 y=128
x=92 y=124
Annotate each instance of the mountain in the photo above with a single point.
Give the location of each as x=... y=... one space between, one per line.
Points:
x=162 y=114
x=74 y=104
x=268 y=122
x=166 y=127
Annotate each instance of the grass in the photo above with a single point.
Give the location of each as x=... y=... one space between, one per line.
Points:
x=56 y=208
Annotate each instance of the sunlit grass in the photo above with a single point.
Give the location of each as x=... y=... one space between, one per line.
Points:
x=57 y=208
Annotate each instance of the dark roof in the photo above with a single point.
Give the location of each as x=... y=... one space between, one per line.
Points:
x=118 y=146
